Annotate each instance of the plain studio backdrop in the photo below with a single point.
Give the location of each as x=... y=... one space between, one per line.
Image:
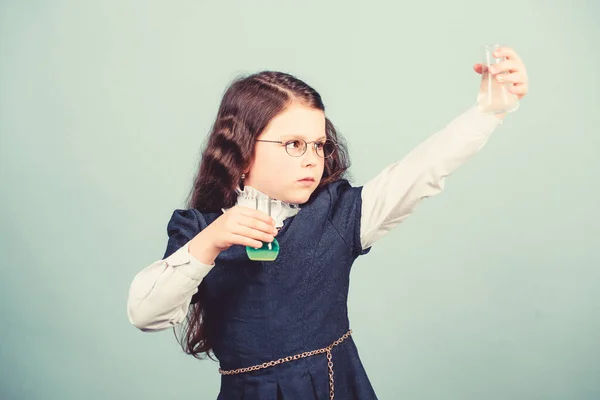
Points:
x=491 y=290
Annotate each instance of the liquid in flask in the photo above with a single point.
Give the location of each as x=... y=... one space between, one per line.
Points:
x=268 y=251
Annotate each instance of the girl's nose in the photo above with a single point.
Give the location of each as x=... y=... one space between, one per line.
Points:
x=309 y=157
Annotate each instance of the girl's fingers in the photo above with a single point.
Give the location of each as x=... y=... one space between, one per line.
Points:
x=507 y=52
x=257 y=224
x=511 y=71
x=520 y=89
x=250 y=233
x=244 y=241
x=250 y=212
x=505 y=66
x=515 y=77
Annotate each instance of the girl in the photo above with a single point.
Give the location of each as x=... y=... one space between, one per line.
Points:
x=280 y=329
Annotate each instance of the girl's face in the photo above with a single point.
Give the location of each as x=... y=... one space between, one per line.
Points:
x=276 y=173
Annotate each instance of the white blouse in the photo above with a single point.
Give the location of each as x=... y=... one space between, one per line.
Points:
x=160 y=294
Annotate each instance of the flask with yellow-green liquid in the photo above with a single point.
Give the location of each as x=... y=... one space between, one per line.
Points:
x=268 y=251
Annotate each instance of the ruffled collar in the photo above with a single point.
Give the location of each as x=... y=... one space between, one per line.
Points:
x=280 y=210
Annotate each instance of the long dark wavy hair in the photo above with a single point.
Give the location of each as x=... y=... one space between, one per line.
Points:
x=248 y=105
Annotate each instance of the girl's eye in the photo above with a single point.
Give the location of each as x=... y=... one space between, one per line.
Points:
x=293 y=144
x=320 y=145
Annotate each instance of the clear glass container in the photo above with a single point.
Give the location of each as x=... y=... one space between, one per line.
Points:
x=268 y=251
x=494 y=97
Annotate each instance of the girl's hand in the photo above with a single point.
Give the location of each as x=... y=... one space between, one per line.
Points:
x=239 y=225
x=517 y=73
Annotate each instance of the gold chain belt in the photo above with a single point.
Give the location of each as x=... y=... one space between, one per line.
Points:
x=296 y=357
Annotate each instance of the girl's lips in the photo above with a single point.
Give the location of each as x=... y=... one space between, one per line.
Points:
x=306 y=182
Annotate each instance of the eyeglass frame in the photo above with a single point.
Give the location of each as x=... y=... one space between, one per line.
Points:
x=284 y=144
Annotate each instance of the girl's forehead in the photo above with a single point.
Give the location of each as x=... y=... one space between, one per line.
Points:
x=297 y=121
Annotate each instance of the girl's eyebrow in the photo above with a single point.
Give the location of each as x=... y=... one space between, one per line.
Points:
x=284 y=137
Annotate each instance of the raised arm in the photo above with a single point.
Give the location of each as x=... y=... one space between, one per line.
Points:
x=395 y=192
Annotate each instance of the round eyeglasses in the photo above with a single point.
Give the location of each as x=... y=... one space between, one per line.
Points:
x=297 y=147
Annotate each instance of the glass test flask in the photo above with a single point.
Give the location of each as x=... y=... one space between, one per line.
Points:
x=494 y=97
x=268 y=251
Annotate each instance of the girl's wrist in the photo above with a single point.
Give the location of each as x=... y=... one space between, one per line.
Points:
x=203 y=250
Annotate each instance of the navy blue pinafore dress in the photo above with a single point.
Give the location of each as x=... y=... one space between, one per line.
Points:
x=256 y=312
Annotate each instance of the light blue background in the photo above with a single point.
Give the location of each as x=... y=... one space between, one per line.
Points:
x=491 y=290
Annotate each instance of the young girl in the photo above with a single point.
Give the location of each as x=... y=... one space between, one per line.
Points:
x=280 y=328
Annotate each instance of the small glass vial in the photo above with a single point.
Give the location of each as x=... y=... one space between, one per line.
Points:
x=494 y=97
x=268 y=251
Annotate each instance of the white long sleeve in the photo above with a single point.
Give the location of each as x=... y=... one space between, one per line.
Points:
x=393 y=194
x=160 y=294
